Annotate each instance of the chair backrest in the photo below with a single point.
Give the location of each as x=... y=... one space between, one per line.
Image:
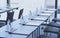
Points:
x=10 y=16
x=20 y=13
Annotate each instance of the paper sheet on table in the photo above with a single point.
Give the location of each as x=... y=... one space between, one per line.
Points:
x=46 y=14
x=35 y=23
x=25 y=30
x=41 y=18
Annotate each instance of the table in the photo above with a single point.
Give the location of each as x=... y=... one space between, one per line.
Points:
x=6 y=35
x=17 y=36
x=40 y=18
x=45 y=14
x=29 y=31
x=20 y=30
x=48 y=11
x=24 y=31
x=35 y=24
x=2 y=10
x=52 y=9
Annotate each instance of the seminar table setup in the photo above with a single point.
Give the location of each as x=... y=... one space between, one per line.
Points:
x=30 y=24
x=16 y=29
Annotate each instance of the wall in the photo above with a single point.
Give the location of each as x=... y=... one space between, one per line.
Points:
x=3 y=3
x=28 y=5
x=49 y=3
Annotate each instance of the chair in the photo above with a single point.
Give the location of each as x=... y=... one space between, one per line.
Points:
x=58 y=36
x=53 y=24
x=20 y=13
x=9 y=17
x=1 y=24
x=52 y=30
x=52 y=27
x=56 y=20
x=43 y=36
x=2 y=37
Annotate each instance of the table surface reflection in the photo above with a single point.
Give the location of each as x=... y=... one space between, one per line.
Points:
x=5 y=9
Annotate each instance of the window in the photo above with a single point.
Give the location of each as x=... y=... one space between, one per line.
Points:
x=58 y=16
x=27 y=5
x=3 y=3
x=50 y=3
x=58 y=6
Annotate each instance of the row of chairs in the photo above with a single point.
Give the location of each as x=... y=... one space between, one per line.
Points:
x=53 y=27
x=21 y=14
x=10 y=17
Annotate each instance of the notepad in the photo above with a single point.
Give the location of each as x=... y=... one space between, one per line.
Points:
x=41 y=18
x=25 y=30
x=52 y=9
x=46 y=14
x=18 y=36
x=36 y=23
x=48 y=11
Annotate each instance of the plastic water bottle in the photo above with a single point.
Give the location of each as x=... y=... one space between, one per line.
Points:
x=9 y=28
x=30 y=15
